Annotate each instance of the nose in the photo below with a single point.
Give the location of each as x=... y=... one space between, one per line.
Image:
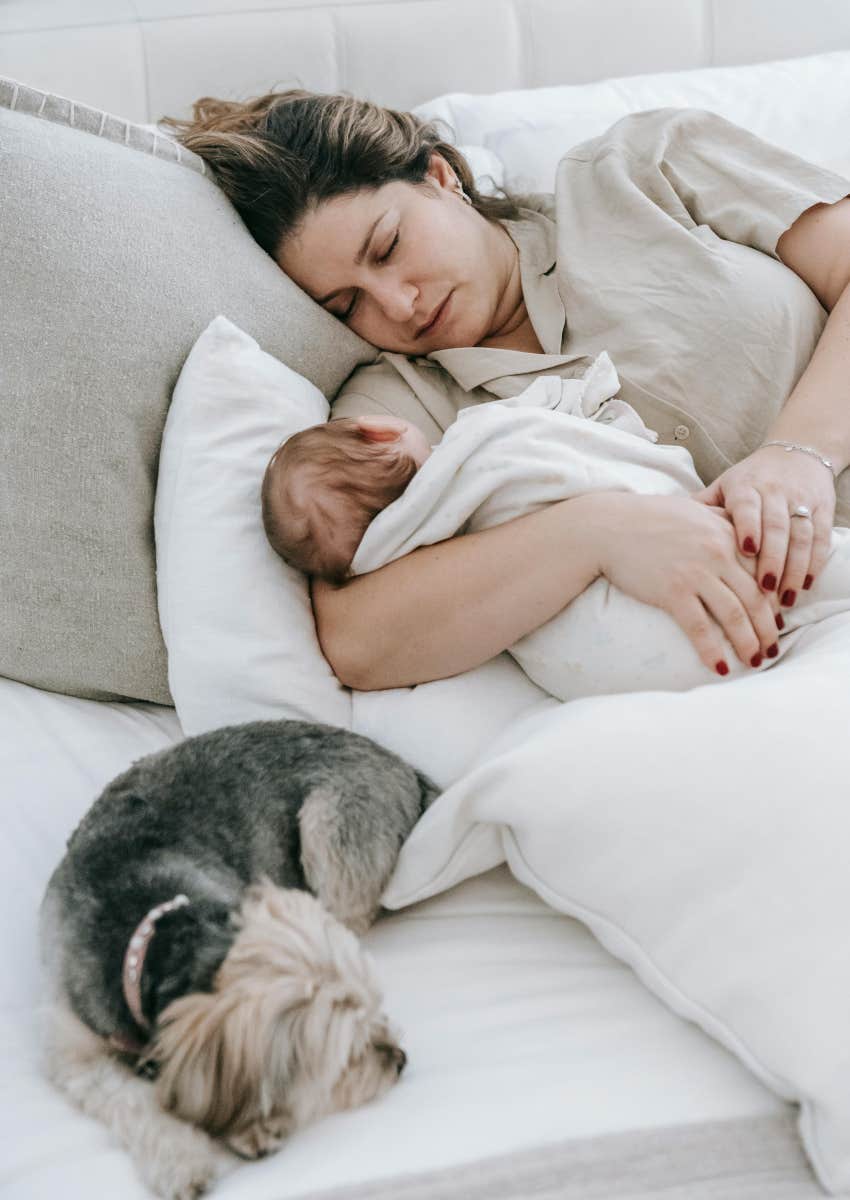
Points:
x=396 y=300
x=396 y=1056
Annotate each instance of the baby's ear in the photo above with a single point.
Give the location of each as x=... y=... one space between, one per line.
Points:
x=380 y=429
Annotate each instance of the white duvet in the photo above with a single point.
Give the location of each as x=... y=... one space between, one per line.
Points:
x=702 y=836
x=556 y=440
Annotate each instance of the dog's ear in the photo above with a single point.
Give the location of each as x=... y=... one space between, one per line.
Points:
x=224 y=1064
x=203 y=1076
x=223 y=1051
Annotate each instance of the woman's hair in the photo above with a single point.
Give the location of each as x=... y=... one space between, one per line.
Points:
x=278 y=156
x=329 y=462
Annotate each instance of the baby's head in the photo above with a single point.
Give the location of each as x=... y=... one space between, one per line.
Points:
x=324 y=485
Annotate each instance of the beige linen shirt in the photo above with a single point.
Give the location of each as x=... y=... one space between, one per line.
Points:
x=658 y=246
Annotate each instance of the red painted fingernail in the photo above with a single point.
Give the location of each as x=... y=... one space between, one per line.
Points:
x=769 y=583
x=808 y=581
x=773 y=650
x=721 y=668
x=788 y=597
x=749 y=546
x=755 y=661
x=780 y=624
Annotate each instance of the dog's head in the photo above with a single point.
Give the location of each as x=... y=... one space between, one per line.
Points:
x=292 y=1030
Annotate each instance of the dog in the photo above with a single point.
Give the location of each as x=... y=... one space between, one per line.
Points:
x=209 y=995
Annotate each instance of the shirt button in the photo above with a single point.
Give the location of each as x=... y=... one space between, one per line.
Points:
x=681 y=433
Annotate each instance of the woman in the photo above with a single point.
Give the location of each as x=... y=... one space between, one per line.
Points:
x=700 y=257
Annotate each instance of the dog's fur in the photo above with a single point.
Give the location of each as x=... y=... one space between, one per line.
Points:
x=264 y=1010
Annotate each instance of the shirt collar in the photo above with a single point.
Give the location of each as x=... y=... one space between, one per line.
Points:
x=472 y=366
x=534 y=233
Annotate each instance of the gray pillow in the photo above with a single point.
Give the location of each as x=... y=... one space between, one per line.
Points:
x=116 y=251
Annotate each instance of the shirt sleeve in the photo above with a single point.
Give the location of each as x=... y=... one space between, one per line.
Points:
x=357 y=404
x=744 y=188
x=378 y=388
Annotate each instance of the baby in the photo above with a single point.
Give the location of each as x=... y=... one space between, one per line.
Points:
x=324 y=485
x=347 y=497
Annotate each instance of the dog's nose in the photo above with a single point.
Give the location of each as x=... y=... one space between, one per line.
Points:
x=395 y=1054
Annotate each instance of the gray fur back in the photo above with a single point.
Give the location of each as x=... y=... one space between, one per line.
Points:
x=208 y=817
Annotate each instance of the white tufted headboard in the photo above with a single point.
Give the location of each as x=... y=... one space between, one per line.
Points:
x=143 y=59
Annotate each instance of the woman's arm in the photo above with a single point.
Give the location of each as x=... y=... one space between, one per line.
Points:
x=762 y=490
x=446 y=608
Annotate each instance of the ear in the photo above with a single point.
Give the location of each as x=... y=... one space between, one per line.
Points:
x=380 y=429
x=210 y=1060
x=440 y=171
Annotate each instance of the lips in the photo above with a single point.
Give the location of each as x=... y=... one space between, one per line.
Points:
x=437 y=315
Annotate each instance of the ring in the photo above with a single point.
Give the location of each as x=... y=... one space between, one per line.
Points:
x=801 y=511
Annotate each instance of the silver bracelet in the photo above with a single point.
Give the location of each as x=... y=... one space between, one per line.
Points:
x=789 y=446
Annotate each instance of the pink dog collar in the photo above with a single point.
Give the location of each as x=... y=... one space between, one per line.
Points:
x=134 y=962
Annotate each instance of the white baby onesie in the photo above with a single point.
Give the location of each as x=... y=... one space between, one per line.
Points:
x=556 y=440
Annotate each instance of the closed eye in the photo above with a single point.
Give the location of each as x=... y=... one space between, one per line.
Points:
x=382 y=259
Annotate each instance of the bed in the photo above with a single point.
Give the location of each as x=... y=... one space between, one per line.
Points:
x=544 y=1059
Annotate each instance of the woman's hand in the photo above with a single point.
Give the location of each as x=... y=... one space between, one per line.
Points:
x=682 y=557
x=759 y=494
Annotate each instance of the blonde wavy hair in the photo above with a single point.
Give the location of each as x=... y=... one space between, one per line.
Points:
x=278 y=156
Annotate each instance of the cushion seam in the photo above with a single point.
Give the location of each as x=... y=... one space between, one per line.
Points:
x=13 y=91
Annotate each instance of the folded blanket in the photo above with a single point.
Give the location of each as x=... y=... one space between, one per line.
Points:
x=556 y=440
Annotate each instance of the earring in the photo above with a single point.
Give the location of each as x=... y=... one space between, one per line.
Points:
x=461 y=192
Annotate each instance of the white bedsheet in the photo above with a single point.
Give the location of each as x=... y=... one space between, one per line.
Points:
x=520 y=1028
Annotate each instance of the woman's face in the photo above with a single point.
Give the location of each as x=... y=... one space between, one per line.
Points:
x=384 y=260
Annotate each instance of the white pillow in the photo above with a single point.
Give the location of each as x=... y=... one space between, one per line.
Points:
x=442 y=727
x=703 y=838
x=801 y=104
x=237 y=621
x=487 y=168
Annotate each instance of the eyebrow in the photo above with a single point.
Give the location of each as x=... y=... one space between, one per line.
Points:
x=358 y=258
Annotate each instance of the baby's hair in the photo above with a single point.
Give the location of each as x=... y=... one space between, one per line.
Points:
x=338 y=459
